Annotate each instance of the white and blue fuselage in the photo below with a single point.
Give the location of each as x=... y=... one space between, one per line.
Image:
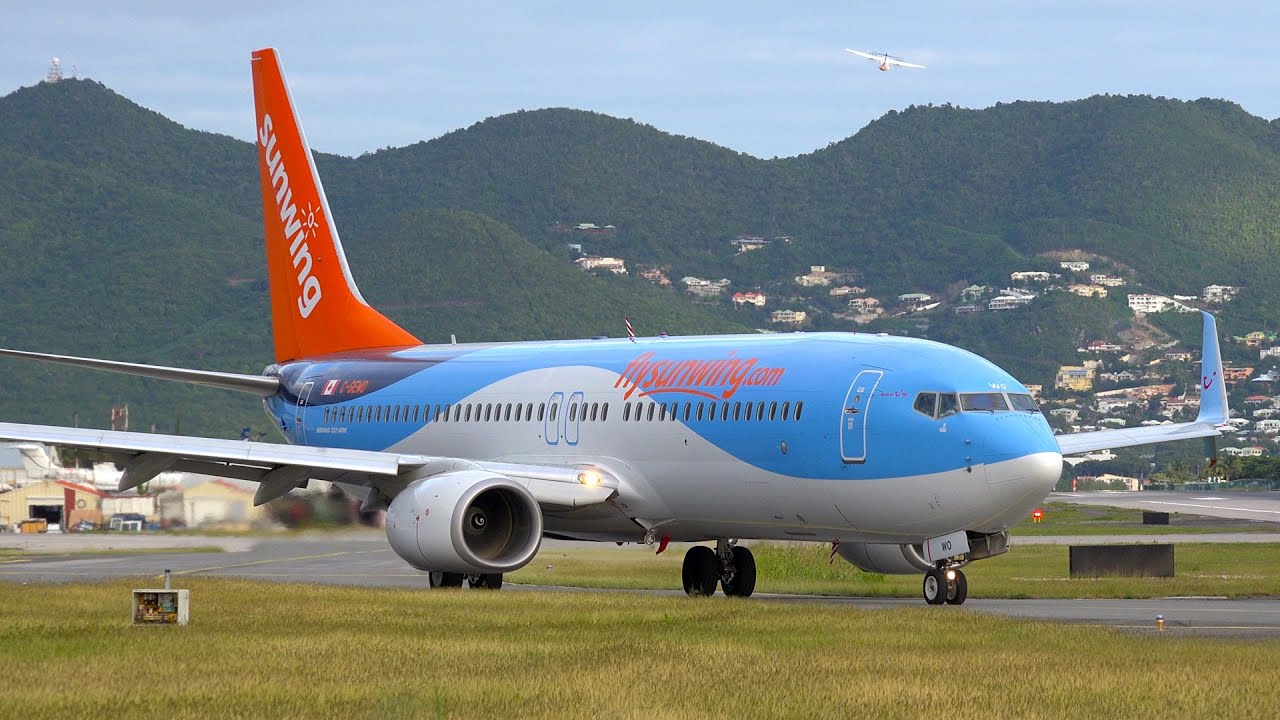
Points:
x=800 y=436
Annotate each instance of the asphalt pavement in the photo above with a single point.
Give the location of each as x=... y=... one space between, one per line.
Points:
x=362 y=558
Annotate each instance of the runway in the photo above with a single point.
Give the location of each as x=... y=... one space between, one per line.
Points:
x=1253 y=505
x=363 y=559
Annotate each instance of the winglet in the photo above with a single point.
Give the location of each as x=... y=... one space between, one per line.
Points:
x=1213 y=390
x=316 y=307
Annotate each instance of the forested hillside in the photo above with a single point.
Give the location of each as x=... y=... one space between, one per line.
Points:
x=128 y=236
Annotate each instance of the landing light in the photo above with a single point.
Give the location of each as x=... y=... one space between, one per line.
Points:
x=590 y=478
x=951 y=575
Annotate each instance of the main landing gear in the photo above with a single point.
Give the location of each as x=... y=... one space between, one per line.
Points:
x=945 y=584
x=730 y=565
x=492 y=581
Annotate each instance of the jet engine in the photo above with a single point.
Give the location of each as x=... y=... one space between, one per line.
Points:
x=884 y=558
x=465 y=521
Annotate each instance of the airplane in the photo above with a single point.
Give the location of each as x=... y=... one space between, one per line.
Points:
x=885 y=60
x=907 y=455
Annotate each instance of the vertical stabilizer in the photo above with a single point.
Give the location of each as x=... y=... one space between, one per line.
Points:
x=316 y=307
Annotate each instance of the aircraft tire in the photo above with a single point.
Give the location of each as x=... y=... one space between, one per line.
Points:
x=701 y=571
x=935 y=587
x=960 y=592
x=744 y=574
x=444 y=579
x=492 y=581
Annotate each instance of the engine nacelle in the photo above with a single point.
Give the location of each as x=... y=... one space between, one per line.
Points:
x=884 y=558
x=466 y=521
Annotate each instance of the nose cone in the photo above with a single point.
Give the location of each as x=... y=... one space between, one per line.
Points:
x=1023 y=463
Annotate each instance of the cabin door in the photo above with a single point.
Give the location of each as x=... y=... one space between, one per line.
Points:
x=299 y=419
x=853 y=416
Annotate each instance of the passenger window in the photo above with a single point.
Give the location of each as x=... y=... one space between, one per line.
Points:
x=799 y=408
x=555 y=411
x=662 y=412
x=595 y=411
x=926 y=403
x=773 y=410
x=542 y=411
x=506 y=416
x=528 y=411
x=748 y=416
x=737 y=411
x=724 y=411
x=786 y=409
x=488 y=412
x=688 y=411
x=604 y=412
x=652 y=406
x=626 y=411
x=759 y=411
x=573 y=411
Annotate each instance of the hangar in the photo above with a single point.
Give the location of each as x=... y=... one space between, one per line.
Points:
x=57 y=501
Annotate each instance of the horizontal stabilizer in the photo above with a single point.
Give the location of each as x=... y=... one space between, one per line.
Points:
x=257 y=384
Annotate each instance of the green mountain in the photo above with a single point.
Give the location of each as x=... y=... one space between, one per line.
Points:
x=128 y=236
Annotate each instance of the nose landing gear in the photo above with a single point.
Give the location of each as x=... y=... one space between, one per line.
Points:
x=945 y=584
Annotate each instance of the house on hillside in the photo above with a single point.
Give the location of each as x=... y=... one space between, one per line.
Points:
x=1077 y=378
x=1219 y=293
x=612 y=264
x=818 y=275
x=788 y=317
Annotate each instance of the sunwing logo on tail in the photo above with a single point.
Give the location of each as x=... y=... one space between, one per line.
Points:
x=296 y=229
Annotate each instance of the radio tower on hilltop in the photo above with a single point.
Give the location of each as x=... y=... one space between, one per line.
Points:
x=55 y=71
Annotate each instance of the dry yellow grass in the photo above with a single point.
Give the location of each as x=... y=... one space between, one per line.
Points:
x=271 y=651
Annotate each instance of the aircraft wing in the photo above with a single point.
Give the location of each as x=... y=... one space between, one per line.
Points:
x=859 y=53
x=1213 y=409
x=281 y=468
x=903 y=63
x=1083 y=442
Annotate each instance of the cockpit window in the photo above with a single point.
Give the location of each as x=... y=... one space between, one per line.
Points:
x=947 y=405
x=1022 y=402
x=983 y=402
x=926 y=402
x=936 y=405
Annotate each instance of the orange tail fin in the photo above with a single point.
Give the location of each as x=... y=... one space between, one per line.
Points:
x=316 y=308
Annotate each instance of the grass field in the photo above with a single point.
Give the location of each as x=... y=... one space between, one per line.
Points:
x=266 y=651
x=1037 y=571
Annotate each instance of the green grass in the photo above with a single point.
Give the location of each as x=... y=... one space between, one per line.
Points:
x=266 y=650
x=1062 y=518
x=1036 y=571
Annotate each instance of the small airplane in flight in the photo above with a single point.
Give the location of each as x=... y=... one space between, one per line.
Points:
x=907 y=456
x=886 y=60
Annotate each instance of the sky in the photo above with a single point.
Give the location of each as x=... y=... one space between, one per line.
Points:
x=766 y=78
